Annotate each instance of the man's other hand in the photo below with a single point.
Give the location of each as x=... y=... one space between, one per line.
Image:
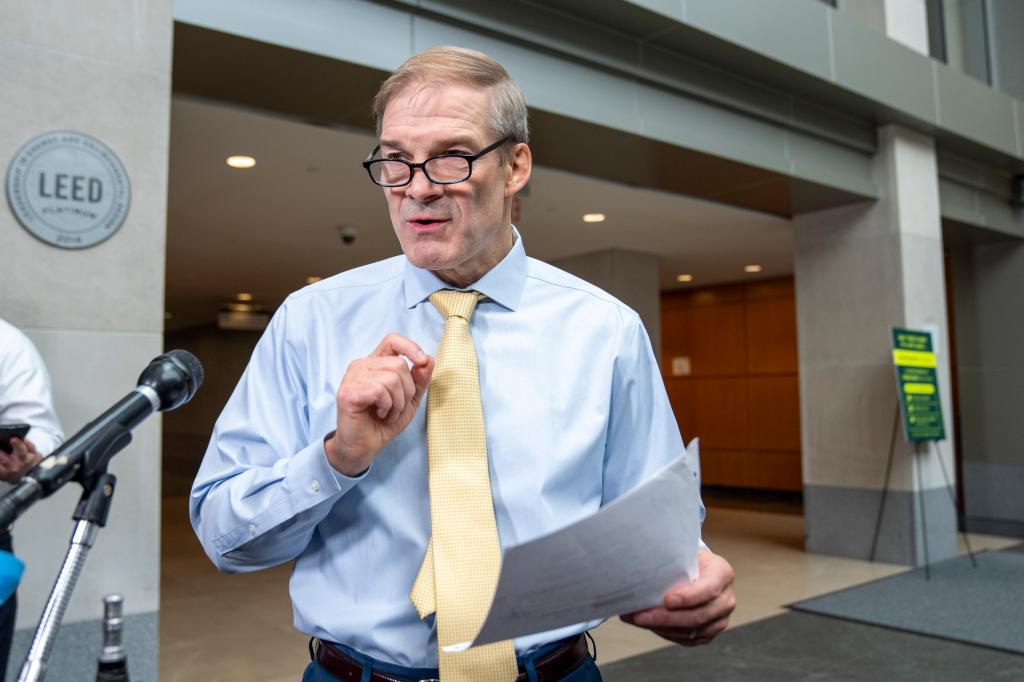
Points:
x=693 y=613
x=377 y=399
x=23 y=457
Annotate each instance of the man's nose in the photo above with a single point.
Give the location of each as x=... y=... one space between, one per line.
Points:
x=421 y=188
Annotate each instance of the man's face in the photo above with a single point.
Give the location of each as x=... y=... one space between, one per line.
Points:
x=458 y=231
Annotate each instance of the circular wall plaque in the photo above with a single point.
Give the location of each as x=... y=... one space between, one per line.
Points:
x=68 y=189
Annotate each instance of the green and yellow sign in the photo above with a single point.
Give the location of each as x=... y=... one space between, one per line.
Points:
x=914 y=357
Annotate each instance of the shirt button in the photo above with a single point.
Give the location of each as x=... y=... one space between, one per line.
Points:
x=252 y=529
x=315 y=486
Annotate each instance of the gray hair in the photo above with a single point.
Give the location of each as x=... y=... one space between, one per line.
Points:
x=445 y=64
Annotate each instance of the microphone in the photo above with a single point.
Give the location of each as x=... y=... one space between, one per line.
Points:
x=169 y=381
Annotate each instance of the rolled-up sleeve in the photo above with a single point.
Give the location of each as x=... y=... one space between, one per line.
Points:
x=265 y=481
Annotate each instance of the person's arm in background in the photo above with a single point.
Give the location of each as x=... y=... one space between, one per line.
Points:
x=643 y=437
x=25 y=397
x=266 y=481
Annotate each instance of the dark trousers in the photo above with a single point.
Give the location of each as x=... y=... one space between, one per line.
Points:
x=586 y=672
x=7 y=613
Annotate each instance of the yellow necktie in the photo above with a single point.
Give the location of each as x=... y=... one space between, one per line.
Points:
x=460 y=569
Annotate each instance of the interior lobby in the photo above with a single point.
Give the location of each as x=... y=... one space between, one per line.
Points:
x=772 y=190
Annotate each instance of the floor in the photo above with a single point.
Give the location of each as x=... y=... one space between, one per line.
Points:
x=238 y=627
x=804 y=647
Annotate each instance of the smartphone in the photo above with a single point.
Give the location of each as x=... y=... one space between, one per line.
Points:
x=8 y=431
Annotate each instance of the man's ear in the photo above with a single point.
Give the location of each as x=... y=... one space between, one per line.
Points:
x=520 y=164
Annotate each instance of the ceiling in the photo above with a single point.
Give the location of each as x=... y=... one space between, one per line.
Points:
x=266 y=229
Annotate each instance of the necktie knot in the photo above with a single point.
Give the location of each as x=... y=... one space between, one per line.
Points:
x=451 y=303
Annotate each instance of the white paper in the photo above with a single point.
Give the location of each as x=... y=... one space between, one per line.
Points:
x=618 y=560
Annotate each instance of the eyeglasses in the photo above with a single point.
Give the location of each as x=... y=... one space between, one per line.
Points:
x=446 y=169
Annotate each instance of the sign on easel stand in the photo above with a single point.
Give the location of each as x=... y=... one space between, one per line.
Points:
x=914 y=358
x=917 y=382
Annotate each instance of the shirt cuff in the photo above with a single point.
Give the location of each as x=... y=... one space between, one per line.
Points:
x=309 y=481
x=345 y=481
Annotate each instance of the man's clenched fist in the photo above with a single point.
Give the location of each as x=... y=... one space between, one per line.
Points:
x=377 y=399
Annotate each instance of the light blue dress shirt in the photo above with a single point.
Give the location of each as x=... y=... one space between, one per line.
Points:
x=575 y=414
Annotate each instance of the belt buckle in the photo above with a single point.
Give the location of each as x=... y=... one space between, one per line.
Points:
x=429 y=679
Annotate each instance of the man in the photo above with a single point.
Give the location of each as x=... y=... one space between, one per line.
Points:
x=545 y=402
x=24 y=399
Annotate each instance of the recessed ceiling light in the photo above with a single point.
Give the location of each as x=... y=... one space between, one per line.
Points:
x=313 y=280
x=593 y=217
x=241 y=161
x=752 y=268
x=244 y=296
x=684 y=278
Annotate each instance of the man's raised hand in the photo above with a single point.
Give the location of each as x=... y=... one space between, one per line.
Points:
x=377 y=399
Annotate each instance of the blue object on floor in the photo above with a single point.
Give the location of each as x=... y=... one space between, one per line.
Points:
x=11 y=570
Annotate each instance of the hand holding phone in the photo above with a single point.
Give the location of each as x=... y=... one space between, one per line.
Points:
x=20 y=454
x=9 y=431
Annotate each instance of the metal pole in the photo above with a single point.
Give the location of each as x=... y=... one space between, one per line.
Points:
x=924 y=518
x=885 y=487
x=82 y=539
x=956 y=507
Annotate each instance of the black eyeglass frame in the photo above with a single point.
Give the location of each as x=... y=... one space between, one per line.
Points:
x=470 y=159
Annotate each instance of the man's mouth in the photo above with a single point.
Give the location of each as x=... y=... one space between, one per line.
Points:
x=426 y=224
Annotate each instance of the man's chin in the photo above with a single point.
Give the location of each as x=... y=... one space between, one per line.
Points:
x=430 y=258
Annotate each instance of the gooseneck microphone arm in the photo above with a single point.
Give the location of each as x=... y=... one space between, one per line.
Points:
x=169 y=381
x=104 y=436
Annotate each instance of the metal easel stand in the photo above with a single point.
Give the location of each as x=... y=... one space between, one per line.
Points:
x=960 y=520
x=885 y=486
x=924 y=517
x=920 y=492
x=90 y=515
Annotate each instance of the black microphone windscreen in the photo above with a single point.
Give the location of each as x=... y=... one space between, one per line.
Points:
x=191 y=364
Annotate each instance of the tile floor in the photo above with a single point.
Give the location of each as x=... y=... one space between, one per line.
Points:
x=228 y=628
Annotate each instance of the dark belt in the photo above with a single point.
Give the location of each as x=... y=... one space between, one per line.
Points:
x=550 y=667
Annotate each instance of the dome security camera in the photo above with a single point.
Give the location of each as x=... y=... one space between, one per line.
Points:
x=348 y=235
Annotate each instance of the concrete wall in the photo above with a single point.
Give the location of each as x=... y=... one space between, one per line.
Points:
x=96 y=315
x=988 y=280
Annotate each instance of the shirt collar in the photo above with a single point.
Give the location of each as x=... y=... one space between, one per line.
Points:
x=503 y=284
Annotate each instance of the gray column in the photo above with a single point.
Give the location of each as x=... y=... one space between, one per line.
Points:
x=630 y=276
x=101 y=68
x=859 y=272
x=988 y=280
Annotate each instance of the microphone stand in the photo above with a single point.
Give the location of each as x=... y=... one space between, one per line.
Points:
x=90 y=515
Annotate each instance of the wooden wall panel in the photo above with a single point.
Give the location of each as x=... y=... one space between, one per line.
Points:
x=741 y=397
x=718 y=411
x=679 y=395
x=774 y=410
x=716 y=340
x=718 y=465
x=771 y=336
x=774 y=470
x=674 y=345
